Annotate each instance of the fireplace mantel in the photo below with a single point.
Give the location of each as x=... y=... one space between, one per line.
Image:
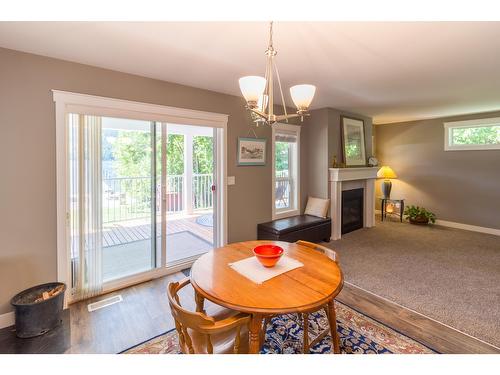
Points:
x=349 y=174
x=343 y=179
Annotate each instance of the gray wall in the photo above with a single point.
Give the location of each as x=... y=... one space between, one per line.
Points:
x=459 y=186
x=323 y=141
x=28 y=157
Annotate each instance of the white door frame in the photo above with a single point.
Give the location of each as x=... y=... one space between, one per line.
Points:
x=69 y=102
x=296 y=166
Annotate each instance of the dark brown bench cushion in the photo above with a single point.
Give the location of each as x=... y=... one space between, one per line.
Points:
x=291 y=229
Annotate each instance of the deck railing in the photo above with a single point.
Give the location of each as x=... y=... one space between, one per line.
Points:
x=127 y=198
x=202 y=191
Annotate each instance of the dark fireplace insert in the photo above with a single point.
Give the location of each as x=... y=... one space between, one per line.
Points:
x=352 y=210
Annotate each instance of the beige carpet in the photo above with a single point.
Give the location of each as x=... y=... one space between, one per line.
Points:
x=447 y=274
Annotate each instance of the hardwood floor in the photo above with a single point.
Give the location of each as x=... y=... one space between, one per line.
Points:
x=55 y=341
x=144 y=313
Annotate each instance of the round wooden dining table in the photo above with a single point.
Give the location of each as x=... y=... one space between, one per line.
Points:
x=301 y=290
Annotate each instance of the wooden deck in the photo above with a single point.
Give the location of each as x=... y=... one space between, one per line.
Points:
x=127 y=245
x=124 y=232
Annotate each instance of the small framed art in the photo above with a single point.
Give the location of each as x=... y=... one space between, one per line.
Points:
x=251 y=151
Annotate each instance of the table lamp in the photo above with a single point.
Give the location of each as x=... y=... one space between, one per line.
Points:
x=386 y=173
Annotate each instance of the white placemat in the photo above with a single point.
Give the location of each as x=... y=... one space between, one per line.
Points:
x=253 y=270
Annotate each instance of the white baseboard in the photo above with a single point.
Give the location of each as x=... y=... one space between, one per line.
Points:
x=7 y=319
x=473 y=228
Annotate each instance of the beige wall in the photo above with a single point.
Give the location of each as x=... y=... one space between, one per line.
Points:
x=28 y=159
x=459 y=186
x=323 y=140
x=316 y=162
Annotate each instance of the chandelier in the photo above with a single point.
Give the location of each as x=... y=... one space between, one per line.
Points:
x=259 y=92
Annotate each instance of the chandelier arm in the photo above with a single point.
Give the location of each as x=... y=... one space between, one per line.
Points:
x=281 y=91
x=295 y=115
x=258 y=112
x=266 y=90
x=270 y=84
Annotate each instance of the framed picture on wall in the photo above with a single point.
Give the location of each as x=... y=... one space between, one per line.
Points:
x=353 y=141
x=251 y=151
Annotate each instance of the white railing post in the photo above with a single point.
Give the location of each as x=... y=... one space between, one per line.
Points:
x=188 y=173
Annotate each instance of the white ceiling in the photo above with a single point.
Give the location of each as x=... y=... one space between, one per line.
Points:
x=391 y=71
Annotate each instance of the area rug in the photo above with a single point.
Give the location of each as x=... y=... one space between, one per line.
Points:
x=185 y=244
x=359 y=334
x=206 y=220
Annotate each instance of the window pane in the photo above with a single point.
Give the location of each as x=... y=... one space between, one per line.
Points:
x=283 y=175
x=129 y=201
x=481 y=135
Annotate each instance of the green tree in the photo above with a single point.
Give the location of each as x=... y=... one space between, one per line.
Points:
x=282 y=156
x=203 y=155
x=485 y=135
x=175 y=154
x=132 y=152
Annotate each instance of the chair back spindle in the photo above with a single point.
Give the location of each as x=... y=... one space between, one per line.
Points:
x=198 y=322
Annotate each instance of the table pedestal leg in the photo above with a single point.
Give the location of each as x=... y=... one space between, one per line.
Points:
x=255 y=332
x=332 y=318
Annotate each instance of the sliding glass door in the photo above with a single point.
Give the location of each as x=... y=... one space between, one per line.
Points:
x=190 y=194
x=129 y=199
x=142 y=198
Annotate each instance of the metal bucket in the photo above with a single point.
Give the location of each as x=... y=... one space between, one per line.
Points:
x=36 y=318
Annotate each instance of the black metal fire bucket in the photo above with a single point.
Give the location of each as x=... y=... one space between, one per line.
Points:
x=36 y=318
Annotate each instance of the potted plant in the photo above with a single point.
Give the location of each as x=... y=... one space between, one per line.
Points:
x=419 y=215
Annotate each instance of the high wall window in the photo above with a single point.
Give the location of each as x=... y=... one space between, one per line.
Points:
x=286 y=182
x=483 y=134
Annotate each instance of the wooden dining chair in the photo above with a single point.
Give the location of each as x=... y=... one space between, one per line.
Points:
x=332 y=254
x=203 y=334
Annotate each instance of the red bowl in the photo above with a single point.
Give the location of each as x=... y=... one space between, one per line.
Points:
x=268 y=255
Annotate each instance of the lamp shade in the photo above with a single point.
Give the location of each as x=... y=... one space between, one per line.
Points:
x=302 y=96
x=252 y=87
x=386 y=172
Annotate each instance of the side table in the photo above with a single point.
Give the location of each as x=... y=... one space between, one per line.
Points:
x=395 y=202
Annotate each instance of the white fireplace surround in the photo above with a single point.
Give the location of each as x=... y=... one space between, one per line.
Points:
x=346 y=179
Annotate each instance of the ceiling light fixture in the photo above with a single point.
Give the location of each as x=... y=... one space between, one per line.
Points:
x=259 y=94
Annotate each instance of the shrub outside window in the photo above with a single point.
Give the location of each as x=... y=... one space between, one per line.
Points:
x=483 y=134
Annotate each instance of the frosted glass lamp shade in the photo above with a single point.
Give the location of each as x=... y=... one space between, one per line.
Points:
x=252 y=87
x=302 y=96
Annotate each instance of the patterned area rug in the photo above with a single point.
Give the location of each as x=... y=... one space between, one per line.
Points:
x=358 y=335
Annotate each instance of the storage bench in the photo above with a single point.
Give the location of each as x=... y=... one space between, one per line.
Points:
x=294 y=228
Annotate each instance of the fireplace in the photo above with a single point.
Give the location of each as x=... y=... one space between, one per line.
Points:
x=342 y=181
x=352 y=210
